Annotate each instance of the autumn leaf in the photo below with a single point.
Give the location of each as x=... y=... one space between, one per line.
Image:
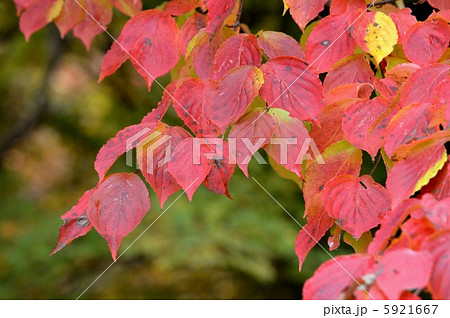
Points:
x=252 y=132
x=235 y=92
x=411 y=123
x=153 y=154
x=189 y=167
x=403 y=20
x=226 y=58
x=329 y=42
x=333 y=277
x=76 y=223
x=290 y=143
x=439 y=186
x=375 y=33
x=128 y=7
x=180 y=7
x=340 y=158
x=352 y=69
x=218 y=11
x=390 y=225
x=150 y=40
x=357 y=121
x=190 y=28
x=291 y=85
x=420 y=86
x=317 y=225
x=276 y=44
x=403 y=269
x=35 y=14
x=425 y=42
x=419 y=162
x=346 y=6
x=193 y=104
x=439 y=4
x=437 y=211
x=303 y=11
x=357 y=204
x=117 y=207
x=439 y=247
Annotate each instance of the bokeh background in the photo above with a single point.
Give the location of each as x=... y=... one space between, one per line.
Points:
x=54 y=117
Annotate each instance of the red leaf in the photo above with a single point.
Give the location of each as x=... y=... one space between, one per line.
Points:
x=386 y=87
x=346 y=6
x=330 y=129
x=193 y=106
x=400 y=73
x=289 y=145
x=352 y=69
x=37 y=14
x=437 y=211
x=425 y=42
x=76 y=223
x=251 y=132
x=221 y=172
x=234 y=94
x=180 y=7
x=117 y=207
x=419 y=162
x=439 y=186
x=440 y=4
x=340 y=158
x=238 y=50
x=420 y=86
x=390 y=225
x=190 y=167
x=329 y=42
x=128 y=7
x=358 y=204
x=439 y=247
x=190 y=28
x=353 y=92
x=276 y=44
x=303 y=11
x=410 y=123
x=318 y=224
x=333 y=277
x=357 y=121
x=441 y=100
x=218 y=11
x=403 y=20
x=291 y=85
x=153 y=156
x=403 y=269
x=151 y=39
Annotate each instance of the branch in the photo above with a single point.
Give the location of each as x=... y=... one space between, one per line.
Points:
x=25 y=126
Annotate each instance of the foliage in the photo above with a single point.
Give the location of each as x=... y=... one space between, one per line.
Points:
x=362 y=76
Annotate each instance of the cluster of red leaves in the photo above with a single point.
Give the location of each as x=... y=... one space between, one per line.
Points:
x=385 y=92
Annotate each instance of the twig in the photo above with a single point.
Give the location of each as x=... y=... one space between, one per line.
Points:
x=376 y=165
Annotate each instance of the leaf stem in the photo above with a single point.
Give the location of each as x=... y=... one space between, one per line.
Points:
x=376 y=165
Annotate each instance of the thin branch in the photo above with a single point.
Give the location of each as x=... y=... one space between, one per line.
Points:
x=25 y=126
x=375 y=165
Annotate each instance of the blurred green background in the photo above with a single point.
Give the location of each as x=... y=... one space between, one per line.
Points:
x=55 y=117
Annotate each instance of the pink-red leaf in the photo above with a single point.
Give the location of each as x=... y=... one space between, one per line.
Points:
x=117 y=207
x=128 y=7
x=357 y=204
x=234 y=94
x=437 y=211
x=403 y=20
x=238 y=50
x=250 y=133
x=76 y=223
x=218 y=11
x=318 y=224
x=439 y=186
x=150 y=39
x=403 y=269
x=190 y=28
x=303 y=11
x=329 y=42
x=346 y=6
x=352 y=69
x=189 y=165
x=333 y=277
x=357 y=121
x=154 y=157
x=440 y=4
x=276 y=44
x=425 y=42
x=291 y=85
x=180 y=7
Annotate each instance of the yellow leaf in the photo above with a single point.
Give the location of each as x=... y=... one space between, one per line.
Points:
x=381 y=36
